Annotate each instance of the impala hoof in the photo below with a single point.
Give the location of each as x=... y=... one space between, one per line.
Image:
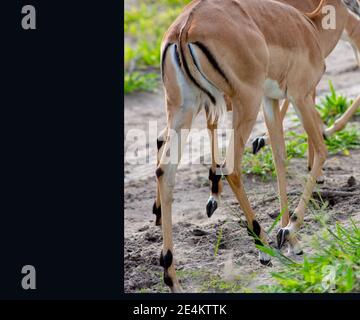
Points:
x=265 y=259
x=258 y=143
x=282 y=236
x=211 y=206
x=266 y=263
x=295 y=248
x=320 y=180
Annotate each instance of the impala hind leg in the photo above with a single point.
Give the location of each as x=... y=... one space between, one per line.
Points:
x=264 y=140
x=179 y=126
x=244 y=117
x=307 y=114
x=321 y=178
x=214 y=174
x=160 y=144
x=274 y=125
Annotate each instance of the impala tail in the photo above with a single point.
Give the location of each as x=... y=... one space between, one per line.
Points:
x=201 y=88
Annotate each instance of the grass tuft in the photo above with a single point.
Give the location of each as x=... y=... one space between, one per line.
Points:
x=145 y=25
x=331 y=108
x=334 y=267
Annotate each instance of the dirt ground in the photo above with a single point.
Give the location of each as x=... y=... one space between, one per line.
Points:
x=195 y=235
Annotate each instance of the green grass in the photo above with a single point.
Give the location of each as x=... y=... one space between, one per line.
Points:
x=330 y=108
x=262 y=164
x=145 y=25
x=333 y=267
x=217 y=284
x=345 y=140
x=208 y=281
x=205 y=281
x=218 y=241
x=296 y=145
x=140 y=81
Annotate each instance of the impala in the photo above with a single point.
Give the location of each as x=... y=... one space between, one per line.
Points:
x=234 y=54
x=330 y=37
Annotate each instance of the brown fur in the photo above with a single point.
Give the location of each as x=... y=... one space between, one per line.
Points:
x=243 y=50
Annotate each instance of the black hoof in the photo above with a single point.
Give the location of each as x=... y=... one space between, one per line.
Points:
x=266 y=263
x=276 y=213
x=211 y=207
x=257 y=144
x=281 y=237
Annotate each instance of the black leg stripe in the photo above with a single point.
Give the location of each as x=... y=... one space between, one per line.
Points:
x=168 y=280
x=215 y=179
x=177 y=56
x=166 y=261
x=159 y=172
x=157 y=212
x=256 y=231
x=256 y=228
x=159 y=144
x=162 y=260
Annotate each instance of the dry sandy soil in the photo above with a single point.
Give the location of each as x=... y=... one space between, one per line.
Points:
x=235 y=267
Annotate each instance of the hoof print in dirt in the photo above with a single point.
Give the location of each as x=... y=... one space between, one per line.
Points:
x=152 y=237
x=199 y=232
x=351 y=181
x=274 y=214
x=281 y=237
x=257 y=144
x=144 y=228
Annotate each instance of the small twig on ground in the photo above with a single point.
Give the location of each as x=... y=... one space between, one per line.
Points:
x=324 y=194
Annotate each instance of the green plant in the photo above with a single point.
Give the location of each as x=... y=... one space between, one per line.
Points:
x=218 y=241
x=217 y=284
x=260 y=164
x=296 y=145
x=332 y=106
x=145 y=25
x=140 y=81
x=345 y=140
x=334 y=267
